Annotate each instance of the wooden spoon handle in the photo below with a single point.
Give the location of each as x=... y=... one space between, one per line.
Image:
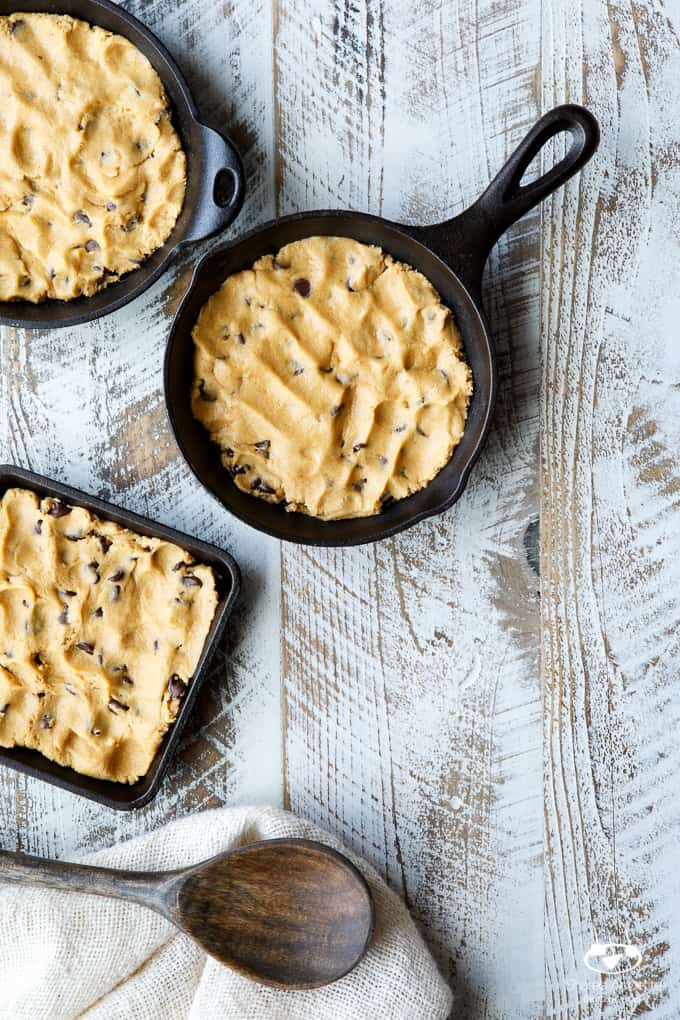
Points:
x=139 y=887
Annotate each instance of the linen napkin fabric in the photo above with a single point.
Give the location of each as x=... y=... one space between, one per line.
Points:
x=67 y=955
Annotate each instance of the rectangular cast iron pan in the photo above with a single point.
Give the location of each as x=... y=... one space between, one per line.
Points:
x=125 y=796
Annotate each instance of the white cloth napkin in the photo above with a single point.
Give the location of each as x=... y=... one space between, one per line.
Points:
x=65 y=955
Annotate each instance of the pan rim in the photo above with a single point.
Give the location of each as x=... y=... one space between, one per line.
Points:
x=388 y=529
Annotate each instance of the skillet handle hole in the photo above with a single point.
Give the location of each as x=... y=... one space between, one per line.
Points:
x=552 y=153
x=224 y=187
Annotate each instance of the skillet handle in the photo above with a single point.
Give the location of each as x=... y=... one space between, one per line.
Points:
x=465 y=242
x=224 y=187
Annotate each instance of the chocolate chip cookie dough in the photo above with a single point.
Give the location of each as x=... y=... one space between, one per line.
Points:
x=92 y=173
x=100 y=632
x=331 y=376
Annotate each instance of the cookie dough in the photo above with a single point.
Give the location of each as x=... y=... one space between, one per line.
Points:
x=100 y=632
x=92 y=172
x=331 y=376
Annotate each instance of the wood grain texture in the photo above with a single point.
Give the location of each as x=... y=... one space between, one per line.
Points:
x=410 y=669
x=86 y=406
x=609 y=505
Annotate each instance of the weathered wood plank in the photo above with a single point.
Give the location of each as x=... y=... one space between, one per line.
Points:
x=410 y=669
x=610 y=436
x=86 y=405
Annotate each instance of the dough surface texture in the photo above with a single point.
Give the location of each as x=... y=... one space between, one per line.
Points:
x=100 y=632
x=92 y=172
x=332 y=378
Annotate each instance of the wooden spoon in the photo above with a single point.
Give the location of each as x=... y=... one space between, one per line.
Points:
x=287 y=912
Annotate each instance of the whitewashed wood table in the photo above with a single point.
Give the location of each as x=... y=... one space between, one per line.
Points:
x=503 y=748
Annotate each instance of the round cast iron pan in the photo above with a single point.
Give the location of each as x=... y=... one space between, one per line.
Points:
x=452 y=256
x=215 y=178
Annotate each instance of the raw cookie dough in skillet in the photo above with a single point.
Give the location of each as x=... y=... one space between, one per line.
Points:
x=331 y=376
x=101 y=630
x=92 y=172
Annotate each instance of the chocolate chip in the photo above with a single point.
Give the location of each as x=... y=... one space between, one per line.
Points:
x=40 y=694
x=191 y=581
x=91 y=245
x=359 y=446
x=37 y=659
x=25 y=281
x=28 y=201
x=263 y=447
x=117 y=576
x=111 y=206
x=47 y=722
x=63 y=616
x=82 y=217
x=104 y=543
x=335 y=411
x=58 y=509
x=349 y=284
x=24 y=603
x=115 y=593
x=302 y=286
x=127 y=681
x=359 y=486
x=326 y=371
x=181 y=565
x=75 y=538
x=205 y=394
x=14 y=25
x=100 y=659
x=257 y=485
x=95 y=731
x=115 y=704
x=156 y=645
x=99 y=612
x=176 y=686
x=37 y=527
x=238 y=469
x=86 y=647
x=399 y=428
x=95 y=567
x=240 y=338
x=296 y=368
x=67 y=593
x=131 y=224
x=3 y=709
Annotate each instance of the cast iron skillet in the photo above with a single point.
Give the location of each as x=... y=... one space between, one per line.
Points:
x=215 y=178
x=452 y=256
